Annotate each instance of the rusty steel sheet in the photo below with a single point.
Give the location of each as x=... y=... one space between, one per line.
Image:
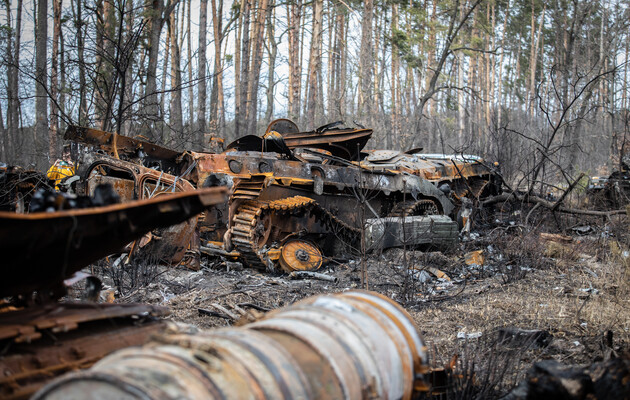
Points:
x=40 y=343
x=345 y=143
x=125 y=146
x=352 y=345
x=42 y=249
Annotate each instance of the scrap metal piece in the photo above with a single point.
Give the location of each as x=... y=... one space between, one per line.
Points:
x=352 y=345
x=40 y=343
x=40 y=250
x=435 y=230
x=126 y=146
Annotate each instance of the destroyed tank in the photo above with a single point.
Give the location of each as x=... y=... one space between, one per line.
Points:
x=300 y=196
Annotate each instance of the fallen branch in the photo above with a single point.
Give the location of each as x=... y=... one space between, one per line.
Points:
x=312 y=275
x=254 y=306
x=203 y=311
x=547 y=204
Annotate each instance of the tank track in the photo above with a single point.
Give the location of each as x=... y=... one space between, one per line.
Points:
x=248 y=225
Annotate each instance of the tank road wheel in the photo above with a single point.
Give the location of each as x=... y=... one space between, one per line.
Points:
x=300 y=255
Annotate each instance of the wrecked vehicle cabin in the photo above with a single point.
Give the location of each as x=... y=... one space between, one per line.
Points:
x=297 y=197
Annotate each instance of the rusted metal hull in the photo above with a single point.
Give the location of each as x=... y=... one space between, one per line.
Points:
x=353 y=345
x=271 y=175
x=40 y=343
x=40 y=250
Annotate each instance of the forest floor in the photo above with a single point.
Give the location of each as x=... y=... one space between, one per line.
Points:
x=574 y=288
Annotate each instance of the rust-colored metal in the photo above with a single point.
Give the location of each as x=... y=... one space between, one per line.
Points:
x=300 y=255
x=329 y=168
x=125 y=146
x=40 y=250
x=353 y=345
x=40 y=343
x=132 y=181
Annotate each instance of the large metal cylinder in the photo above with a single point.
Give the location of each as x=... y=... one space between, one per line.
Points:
x=352 y=345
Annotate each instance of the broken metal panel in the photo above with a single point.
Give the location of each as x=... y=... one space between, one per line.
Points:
x=40 y=343
x=132 y=181
x=353 y=345
x=435 y=230
x=42 y=249
x=127 y=147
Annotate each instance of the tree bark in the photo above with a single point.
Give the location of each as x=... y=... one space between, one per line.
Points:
x=294 y=14
x=189 y=63
x=158 y=12
x=175 y=107
x=54 y=78
x=314 y=62
x=273 y=52
x=366 y=57
x=254 y=72
x=241 y=114
x=201 y=70
x=41 y=97
x=13 y=56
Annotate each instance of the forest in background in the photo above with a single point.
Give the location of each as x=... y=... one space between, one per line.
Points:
x=541 y=87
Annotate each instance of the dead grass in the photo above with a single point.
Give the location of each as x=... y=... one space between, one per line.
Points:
x=576 y=291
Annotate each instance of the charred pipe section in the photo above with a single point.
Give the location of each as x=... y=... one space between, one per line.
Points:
x=352 y=345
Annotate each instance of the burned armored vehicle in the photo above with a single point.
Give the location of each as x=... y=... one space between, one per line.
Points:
x=298 y=197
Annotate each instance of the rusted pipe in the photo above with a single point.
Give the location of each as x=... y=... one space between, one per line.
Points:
x=352 y=345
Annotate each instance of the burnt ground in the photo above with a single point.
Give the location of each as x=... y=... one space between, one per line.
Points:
x=574 y=288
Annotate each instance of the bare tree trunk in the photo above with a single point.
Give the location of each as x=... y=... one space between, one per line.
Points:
x=201 y=70
x=127 y=86
x=330 y=76
x=273 y=52
x=80 y=35
x=54 y=78
x=158 y=13
x=41 y=99
x=535 y=34
x=13 y=56
x=254 y=72
x=241 y=117
x=175 y=107
x=217 y=77
x=294 y=14
x=500 y=73
x=314 y=62
x=395 y=84
x=191 y=94
x=431 y=49
x=365 y=62
x=164 y=134
x=342 y=34
x=217 y=106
